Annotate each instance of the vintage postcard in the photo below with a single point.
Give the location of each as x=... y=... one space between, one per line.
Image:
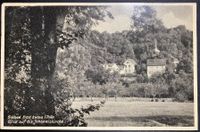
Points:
x=99 y=66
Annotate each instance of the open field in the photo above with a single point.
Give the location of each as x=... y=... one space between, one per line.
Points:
x=139 y=113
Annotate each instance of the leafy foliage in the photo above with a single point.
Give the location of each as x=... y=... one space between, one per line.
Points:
x=33 y=35
x=137 y=44
x=145 y=20
x=64 y=98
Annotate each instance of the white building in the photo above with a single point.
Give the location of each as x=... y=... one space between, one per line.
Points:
x=155 y=66
x=128 y=67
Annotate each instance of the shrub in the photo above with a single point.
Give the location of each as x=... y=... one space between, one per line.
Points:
x=64 y=97
x=181 y=96
x=156 y=100
x=111 y=93
x=75 y=117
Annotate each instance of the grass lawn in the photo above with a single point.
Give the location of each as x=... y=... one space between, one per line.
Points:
x=139 y=113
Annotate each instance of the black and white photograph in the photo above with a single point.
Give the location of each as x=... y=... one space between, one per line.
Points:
x=105 y=66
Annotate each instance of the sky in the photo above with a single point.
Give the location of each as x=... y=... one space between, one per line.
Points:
x=171 y=16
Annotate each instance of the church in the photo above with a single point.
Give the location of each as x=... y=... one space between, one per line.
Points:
x=155 y=65
x=158 y=66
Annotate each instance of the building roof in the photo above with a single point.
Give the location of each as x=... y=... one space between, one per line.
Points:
x=130 y=60
x=175 y=60
x=156 y=62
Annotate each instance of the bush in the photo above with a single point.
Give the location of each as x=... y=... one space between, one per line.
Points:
x=75 y=117
x=64 y=97
x=111 y=93
x=181 y=96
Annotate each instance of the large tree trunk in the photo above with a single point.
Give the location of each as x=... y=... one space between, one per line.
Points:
x=44 y=50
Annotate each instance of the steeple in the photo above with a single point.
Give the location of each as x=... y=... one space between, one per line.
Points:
x=157 y=51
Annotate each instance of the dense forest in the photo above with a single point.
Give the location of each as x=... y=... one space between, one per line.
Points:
x=90 y=53
x=52 y=55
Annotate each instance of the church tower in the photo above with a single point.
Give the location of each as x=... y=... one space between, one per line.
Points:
x=156 y=50
x=155 y=65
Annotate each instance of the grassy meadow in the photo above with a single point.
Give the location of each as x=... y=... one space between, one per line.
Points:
x=138 y=112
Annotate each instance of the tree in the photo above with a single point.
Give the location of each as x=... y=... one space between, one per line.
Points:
x=47 y=29
x=183 y=86
x=17 y=61
x=97 y=75
x=145 y=20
